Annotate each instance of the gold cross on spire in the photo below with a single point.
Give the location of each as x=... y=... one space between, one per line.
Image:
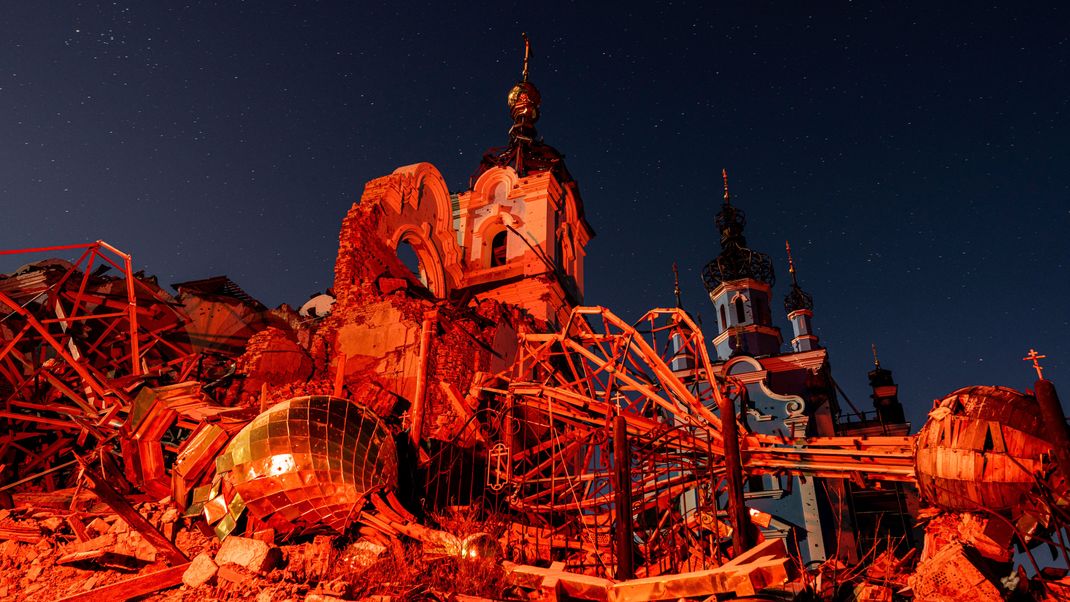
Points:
x=876 y=360
x=527 y=55
x=724 y=176
x=791 y=263
x=1036 y=357
x=676 y=285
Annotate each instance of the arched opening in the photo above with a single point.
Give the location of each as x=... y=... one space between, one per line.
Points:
x=741 y=315
x=410 y=259
x=724 y=319
x=498 y=248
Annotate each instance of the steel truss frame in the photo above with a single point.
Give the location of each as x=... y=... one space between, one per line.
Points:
x=72 y=347
x=563 y=395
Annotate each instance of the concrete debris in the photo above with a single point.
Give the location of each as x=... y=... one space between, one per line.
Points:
x=950 y=575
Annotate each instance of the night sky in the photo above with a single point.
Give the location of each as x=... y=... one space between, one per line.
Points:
x=916 y=158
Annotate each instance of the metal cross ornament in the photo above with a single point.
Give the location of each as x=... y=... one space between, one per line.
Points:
x=1035 y=357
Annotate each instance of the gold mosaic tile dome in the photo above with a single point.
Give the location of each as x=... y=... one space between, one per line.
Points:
x=307 y=462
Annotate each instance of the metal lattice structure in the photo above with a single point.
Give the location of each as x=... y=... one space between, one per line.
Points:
x=76 y=341
x=568 y=388
x=563 y=451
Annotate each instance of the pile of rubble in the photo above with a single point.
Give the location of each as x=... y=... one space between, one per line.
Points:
x=67 y=545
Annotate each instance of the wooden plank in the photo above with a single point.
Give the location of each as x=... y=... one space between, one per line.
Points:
x=23 y=534
x=769 y=547
x=742 y=580
x=132 y=588
x=553 y=580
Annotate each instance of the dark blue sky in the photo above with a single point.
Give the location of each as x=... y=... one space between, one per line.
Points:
x=917 y=158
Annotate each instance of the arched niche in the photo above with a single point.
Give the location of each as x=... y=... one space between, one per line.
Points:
x=494 y=186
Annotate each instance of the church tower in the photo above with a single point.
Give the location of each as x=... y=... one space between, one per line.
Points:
x=885 y=394
x=521 y=221
x=740 y=283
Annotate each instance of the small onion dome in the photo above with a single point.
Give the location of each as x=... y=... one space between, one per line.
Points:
x=797 y=299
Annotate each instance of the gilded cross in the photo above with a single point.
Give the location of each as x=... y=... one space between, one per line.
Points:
x=1035 y=357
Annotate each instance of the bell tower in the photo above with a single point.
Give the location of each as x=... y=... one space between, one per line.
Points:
x=521 y=220
x=740 y=283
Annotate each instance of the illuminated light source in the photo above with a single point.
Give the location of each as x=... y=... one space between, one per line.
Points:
x=480 y=546
x=281 y=463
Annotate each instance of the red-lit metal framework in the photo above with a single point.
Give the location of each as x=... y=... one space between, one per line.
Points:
x=76 y=344
x=573 y=391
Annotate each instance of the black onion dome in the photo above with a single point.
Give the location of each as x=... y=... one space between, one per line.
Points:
x=736 y=261
x=797 y=299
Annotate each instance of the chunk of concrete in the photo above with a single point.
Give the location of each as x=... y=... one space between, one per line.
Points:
x=253 y=554
x=200 y=571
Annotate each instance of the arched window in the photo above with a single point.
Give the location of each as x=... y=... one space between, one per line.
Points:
x=410 y=259
x=724 y=320
x=421 y=258
x=498 y=249
x=741 y=316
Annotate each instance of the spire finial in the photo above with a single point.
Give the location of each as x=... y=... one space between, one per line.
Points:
x=791 y=264
x=527 y=57
x=724 y=176
x=876 y=360
x=676 y=285
x=1035 y=357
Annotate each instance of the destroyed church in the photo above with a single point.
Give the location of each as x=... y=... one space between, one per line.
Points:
x=463 y=427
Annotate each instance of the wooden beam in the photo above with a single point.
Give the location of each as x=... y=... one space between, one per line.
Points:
x=133 y=518
x=132 y=588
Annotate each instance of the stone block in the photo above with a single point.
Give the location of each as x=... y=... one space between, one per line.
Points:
x=200 y=571
x=253 y=554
